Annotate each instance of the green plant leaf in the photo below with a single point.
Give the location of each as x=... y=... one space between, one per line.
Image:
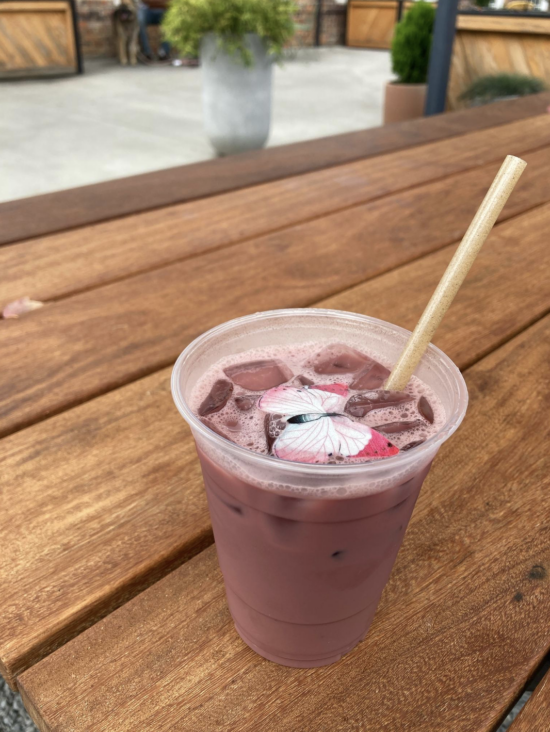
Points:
x=187 y=21
x=487 y=88
x=412 y=40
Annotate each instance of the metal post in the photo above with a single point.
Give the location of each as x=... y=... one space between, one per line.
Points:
x=440 y=56
x=318 y=22
x=399 y=10
x=76 y=31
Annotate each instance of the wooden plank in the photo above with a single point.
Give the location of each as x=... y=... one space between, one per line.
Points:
x=463 y=621
x=477 y=54
x=51 y=212
x=29 y=5
x=502 y=24
x=76 y=260
x=113 y=499
x=126 y=462
x=535 y=715
x=373 y=4
x=370 y=24
x=36 y=35
x=101 y=339
x=484 y=313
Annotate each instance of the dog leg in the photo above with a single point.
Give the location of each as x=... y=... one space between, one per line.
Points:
x=122 y=48
x=133 y=46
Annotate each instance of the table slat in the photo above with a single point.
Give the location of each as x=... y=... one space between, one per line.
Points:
x=75 y=260
x=450 y=651
x=502 y=295
x=98 y=340
x=45 y=214
x=113 y=500
x=127 y=460
x=535 y=715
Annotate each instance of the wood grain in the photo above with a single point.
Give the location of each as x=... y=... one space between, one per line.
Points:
x=45 y=214
x=370 y=23
x=96 y=341
x=489 y=45
x=502 y=295
x=503 y=24
x=36 y=35
x=450 y=650
x=112 y=499
x=64 y=263
x=535 y=715
x=126 y=462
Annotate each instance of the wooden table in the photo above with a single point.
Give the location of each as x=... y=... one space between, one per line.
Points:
x=113 y=612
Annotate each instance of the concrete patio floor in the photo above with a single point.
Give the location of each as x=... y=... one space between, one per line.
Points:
x=114 y=122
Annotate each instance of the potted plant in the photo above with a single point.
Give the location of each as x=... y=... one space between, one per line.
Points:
x=410 y=54
x=497 y=87
x=237 y=40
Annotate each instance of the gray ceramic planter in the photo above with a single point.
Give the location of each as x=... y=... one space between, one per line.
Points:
x=236 y=98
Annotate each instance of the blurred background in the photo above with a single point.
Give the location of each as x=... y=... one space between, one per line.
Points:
x=91 y=89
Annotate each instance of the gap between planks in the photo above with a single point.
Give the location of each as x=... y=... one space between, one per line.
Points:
x=380 y=191
x=408 y=135
x=282 y=229
x=255 y=680
x=158 y=365
x=460 y=333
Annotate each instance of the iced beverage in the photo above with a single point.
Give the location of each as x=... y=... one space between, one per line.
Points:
x=311 y=468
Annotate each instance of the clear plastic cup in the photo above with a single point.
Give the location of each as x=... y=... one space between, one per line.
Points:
x=306 y=550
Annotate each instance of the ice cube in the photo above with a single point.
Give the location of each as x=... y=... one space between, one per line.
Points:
x=340 y=359
x=361 y=404
x=218 y=397
x=391 y=428
x=411 y=445
x=259 y=375
x=245 y=402
x=233 y=425
x=372 y=376
x=215 y=428
x=273 y=426
x=425 y=409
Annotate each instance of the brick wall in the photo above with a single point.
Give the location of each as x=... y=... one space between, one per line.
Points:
x=96 y=30
x=333 y=25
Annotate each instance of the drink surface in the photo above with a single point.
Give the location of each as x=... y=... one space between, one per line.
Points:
x=316 y=402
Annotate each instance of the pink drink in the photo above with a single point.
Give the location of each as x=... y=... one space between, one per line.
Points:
x=306 y=548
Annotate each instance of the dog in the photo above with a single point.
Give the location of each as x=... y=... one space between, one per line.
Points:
x=126 y=29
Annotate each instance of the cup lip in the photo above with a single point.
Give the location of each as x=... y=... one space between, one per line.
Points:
x=400 y=461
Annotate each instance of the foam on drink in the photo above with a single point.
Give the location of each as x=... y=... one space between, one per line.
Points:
x=406 y=423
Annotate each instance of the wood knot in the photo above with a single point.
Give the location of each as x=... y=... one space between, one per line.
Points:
x=537 y=572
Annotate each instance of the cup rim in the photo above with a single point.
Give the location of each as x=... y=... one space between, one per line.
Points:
x=401 y=460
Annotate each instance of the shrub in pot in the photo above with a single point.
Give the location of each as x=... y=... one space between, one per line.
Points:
x=410 y=54
x=237 y=40
x=496 y=87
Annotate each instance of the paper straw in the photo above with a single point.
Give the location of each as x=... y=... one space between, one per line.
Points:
x=456 y=272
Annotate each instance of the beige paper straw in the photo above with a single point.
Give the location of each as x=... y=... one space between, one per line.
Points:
x=456 y=272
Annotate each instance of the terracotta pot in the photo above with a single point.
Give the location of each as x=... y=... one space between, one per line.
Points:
x=404 y=101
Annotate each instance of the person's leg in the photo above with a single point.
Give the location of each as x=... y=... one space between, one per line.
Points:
x=144 y=21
